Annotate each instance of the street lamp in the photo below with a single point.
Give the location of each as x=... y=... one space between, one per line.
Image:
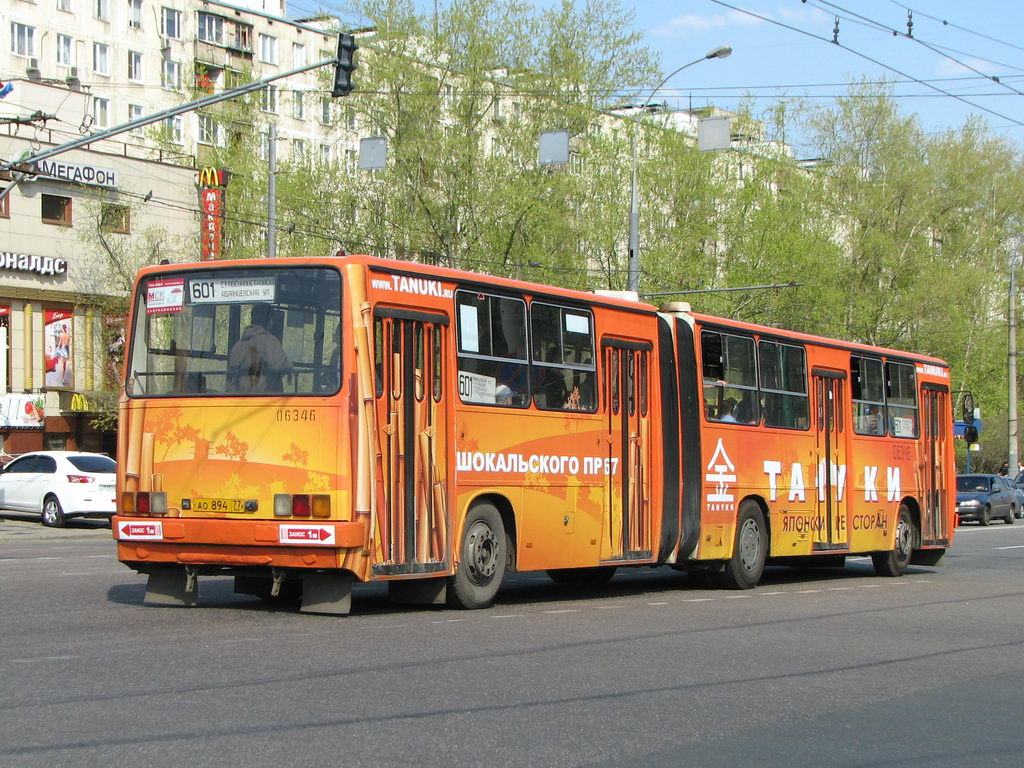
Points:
x=633 y=280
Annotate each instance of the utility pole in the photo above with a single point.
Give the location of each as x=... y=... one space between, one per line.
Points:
x=1011 y=420
x=272 y=192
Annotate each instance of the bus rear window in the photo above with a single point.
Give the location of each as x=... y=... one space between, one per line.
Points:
x=213 y=332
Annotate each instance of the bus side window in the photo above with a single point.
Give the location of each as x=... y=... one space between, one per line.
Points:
x=562 y=364
x=782 y=379
x=866 y=389
x=730 y=378
x=492 y=356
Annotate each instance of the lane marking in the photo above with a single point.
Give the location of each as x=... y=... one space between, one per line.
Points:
x=43 y=658
x=564 y=610
x=657 y=603
x=1017 y=546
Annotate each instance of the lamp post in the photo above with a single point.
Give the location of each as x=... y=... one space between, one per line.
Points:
x=633 y=280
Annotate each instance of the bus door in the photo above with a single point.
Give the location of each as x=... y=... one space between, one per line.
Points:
x=627 y=524
x=411 y=350
x=830 y=527
x=935 y=410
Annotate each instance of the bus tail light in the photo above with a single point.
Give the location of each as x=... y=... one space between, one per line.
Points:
x=144 y=503
x=302 y=505
x=321 y=505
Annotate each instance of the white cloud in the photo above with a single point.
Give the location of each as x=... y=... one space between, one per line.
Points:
x=950 y=67
x=689 y=23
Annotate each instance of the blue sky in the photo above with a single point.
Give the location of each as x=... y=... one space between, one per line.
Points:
x=770 y=60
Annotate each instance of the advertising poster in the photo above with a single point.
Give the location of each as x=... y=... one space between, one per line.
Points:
x=57 y=336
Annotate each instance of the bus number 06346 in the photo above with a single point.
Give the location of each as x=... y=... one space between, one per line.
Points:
x=296 y=414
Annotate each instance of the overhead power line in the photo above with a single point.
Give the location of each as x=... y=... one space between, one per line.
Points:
x=946 y=23
x=868 y=58
x=908 y=36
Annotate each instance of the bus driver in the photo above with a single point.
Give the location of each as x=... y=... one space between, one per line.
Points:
x=257 y=362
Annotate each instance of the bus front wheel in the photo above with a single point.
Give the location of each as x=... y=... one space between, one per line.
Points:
x=743 y=570
x=482 y=560
x=895 y=562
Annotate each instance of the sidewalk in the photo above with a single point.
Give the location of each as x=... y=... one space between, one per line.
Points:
x=14 y=527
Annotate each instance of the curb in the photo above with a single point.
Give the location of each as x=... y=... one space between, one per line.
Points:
x=33 y=530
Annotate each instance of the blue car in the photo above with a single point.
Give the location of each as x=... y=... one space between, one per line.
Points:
x=984 y=497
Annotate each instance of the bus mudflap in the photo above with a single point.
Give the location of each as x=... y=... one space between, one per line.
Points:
x=327 y=592
x=172 y=585
x=927 y=556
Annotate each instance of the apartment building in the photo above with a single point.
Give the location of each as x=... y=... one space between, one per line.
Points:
x=60 y=332
x=136 y=57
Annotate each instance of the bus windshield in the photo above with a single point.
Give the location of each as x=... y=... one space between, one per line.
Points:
x=237 y=331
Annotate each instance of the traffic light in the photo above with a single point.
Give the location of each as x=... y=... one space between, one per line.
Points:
x=345 y=65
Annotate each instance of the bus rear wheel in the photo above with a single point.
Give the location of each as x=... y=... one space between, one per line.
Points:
x=895 y=562
x=750 y=550
x=482 y=560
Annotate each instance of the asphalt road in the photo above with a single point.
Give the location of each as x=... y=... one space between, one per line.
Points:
x=813 y=668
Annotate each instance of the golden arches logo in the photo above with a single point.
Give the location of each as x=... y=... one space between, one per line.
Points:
x=210 y=177
x=79 y=402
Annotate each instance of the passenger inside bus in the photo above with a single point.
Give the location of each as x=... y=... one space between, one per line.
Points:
x=257 y=362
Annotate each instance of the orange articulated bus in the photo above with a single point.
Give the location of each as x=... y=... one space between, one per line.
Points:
x=304 y=424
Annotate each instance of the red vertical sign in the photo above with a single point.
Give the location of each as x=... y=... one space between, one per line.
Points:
x=212 y=204
x=211 y=211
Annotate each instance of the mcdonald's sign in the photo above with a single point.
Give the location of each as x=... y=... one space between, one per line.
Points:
x=79 y=402
x=211 y=206
x=213 y=177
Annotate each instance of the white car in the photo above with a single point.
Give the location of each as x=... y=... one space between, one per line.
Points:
x=58 y=485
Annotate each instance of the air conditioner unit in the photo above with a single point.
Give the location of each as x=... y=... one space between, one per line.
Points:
x=165 y=44
x=32 y=70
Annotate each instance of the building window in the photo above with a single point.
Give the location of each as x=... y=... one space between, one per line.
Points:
x=298 y=106
x=208 y=130
x=269 y=97
x=211 y=28
x=171 y=74
x=264 y=146
x=241 y=38
x=325 y=154
x=56 y=210
x=299 y=151
x=64 y=5
x=101 y=59
x=325 y=111
x=135 y=14
x=350 y=117
x=100 y=112
x=134 y=113
x=65 y=51
x=268 y=49
x=135 y=66
x=102 y=10
x=23 y=40
x=5 y=207
x=170 y=23
x=173 y=129
x=351 y=160
x=298 y=55
x=116 y=218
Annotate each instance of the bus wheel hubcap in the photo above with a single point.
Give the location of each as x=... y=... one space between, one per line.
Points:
x=750 y=545
x=481 y=552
